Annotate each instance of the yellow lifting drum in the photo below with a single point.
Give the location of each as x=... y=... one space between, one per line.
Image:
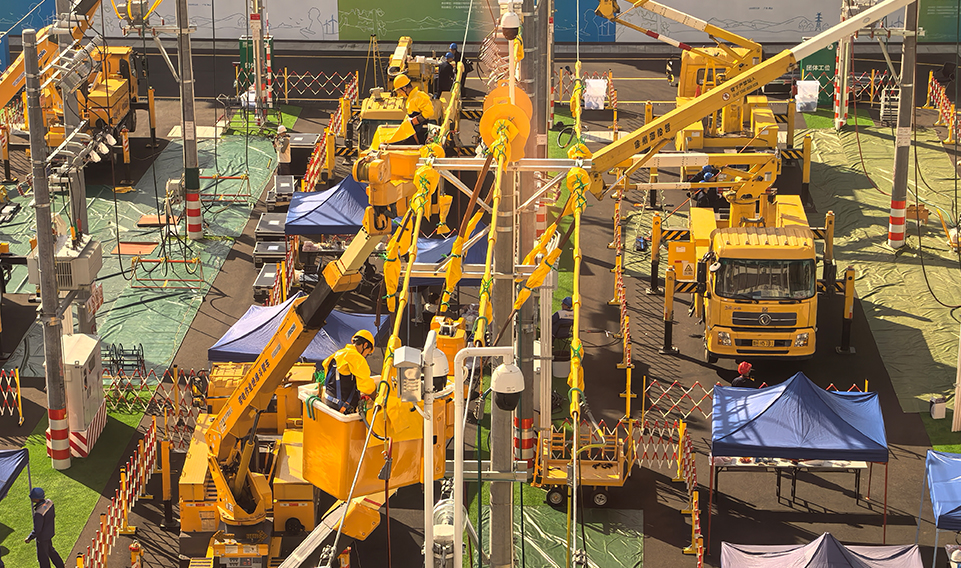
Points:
x=333 y=443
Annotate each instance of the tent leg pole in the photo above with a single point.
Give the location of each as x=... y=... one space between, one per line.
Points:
x=934 y=559
x=870 y=472
x=884 y=531
x=917 y=534
x=710 y=508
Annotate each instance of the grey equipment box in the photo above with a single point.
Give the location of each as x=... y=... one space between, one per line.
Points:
x=270 y=227
x=281 y=193
x=269 y=252
x=264 y=282
x=301 y=147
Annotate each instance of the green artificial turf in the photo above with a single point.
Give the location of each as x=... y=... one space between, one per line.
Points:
x=824 y=118
x=245 y=122
x=940 y=434
x=74 y=491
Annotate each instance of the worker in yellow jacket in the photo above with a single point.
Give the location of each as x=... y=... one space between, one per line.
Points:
x=420 y=109
x=347 y=374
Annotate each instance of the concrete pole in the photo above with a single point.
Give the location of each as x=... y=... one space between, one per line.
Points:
x=902 y=139
x=71 y=119
x=77 y=185
x=49 y=295
x=195 y=230
x=501 y=444
x=501 y=521
x=535 y=47
x=257 y=45
x=459 y=442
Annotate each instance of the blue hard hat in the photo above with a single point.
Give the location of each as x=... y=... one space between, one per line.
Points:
x=567 y=302
x=453 y=47
x=706 y=168
x=36 y=493
x=449 y=55
x=708 y=176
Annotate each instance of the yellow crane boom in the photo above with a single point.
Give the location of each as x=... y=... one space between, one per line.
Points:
x=650 y=138
x=12 y=80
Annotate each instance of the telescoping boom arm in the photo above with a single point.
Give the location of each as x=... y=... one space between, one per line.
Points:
x=650 y=138
x=12 y=80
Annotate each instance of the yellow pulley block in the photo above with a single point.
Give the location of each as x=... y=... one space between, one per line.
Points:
x=578 y=150
x=578 y=178
x=518 y=125
x=502 y=94
x=432 y=150
x=426 y=179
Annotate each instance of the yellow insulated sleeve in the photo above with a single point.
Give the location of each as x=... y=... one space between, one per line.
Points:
x=454 y=267
x=577 y=181
x=486 y=307
x=425 y=179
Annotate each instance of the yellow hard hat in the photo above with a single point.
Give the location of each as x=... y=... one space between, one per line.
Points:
x=401 y=81
x=365 y=335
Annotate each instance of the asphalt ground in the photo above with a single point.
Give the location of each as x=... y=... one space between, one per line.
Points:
x=747 y=510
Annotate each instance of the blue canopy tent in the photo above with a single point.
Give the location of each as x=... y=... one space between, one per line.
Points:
x=244 y=341
x=943 y=471
x=12 y=463
x=337 y=211
x=798 y=420
x=435 y=251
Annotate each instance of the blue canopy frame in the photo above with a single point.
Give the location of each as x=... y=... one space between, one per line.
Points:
x=798 y=420
x=336 y=211
x=12 y=463
x=943 y=473
x=244 y=341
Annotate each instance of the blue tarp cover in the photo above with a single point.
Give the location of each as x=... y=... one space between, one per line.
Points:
x=798 y=420
x=336 y=211
x=944 y=484
x=244 y=341
x=823 y=552
x=434 y=251
x=12 y=463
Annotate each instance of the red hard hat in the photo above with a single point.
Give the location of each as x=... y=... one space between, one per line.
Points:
x=744 y=368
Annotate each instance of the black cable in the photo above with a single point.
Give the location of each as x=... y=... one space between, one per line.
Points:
x=917 y=224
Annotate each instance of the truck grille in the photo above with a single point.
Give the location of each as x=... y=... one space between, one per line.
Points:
x=779 y=319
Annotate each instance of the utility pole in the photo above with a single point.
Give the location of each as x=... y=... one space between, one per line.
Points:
x=902 y=138
x=76 y=185
x=49 y=295
x=502 y=492
x=195 y=221
x=536 y=25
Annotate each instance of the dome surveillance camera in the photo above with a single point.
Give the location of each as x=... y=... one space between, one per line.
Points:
x=510 y=25
x=507 y=382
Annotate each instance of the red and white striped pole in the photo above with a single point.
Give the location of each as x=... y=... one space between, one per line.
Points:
x=58 y=446
x=270 y=75
x=524 y=441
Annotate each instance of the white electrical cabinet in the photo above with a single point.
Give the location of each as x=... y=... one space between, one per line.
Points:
x=83 y=382
x=76 y=265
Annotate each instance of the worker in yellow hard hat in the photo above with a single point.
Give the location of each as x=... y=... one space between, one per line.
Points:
x=420 y=109
x=347 y=375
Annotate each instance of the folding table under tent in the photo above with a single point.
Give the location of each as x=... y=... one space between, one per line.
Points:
x=245 y=340
x=336 y=211
x=798 y=420
x=943 y=471
x=822 y=552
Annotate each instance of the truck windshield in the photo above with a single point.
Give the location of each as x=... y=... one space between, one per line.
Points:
x=765 y=279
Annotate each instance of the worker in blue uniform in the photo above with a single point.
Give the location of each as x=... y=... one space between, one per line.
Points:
x=347 y=375
x=44 y=521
